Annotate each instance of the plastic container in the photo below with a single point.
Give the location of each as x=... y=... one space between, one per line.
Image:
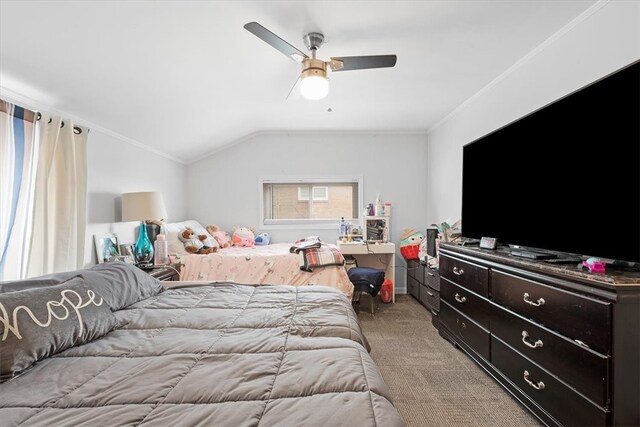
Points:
x=387 y=209
x=343 y=227
x=378 y=206
x=161 y=249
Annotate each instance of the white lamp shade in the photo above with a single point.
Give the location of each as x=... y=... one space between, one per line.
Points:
x=314 y=87
x=143 y=206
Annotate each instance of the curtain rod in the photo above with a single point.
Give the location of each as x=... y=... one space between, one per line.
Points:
x=76 y=129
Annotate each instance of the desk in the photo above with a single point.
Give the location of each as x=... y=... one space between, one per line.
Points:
x=376 y=255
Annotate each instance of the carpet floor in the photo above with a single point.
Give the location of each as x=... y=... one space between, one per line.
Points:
x=432 y=383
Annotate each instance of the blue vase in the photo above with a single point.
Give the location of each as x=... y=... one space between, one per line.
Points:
x=143 y=248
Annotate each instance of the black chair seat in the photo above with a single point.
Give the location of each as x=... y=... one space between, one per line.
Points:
x=366 y=279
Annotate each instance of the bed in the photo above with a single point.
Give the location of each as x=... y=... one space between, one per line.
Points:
x=272 y=264
x=214 y=354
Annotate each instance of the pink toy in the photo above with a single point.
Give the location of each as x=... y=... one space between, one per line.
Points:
x=242 y=236
x=220 y=236
x=594 y=265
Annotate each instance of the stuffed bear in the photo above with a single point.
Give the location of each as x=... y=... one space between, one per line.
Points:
x=222 y=237
x=192 y=243
x=243 y=236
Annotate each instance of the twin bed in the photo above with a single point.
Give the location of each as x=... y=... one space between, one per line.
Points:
x=208 y=354
x=271 y=264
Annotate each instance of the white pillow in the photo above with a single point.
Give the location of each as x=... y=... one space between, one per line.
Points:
x=175 y=246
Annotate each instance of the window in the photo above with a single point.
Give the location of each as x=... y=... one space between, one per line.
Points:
x=314 y=203
x=319 y=193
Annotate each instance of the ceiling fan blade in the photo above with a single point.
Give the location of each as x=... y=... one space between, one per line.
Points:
x=275 y=41
x=362 y=62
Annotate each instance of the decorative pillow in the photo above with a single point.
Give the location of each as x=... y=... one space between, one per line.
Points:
x=119 y=283
x=175 y=246
x=38 y=323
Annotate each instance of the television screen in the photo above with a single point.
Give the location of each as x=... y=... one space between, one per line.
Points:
x=565 y=177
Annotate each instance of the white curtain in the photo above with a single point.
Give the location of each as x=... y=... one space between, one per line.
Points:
x=59 y=216
x=18 y=162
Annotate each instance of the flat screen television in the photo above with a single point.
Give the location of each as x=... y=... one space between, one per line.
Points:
x=565 y=178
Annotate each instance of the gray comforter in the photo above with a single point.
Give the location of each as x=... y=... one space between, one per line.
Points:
x=216 y=355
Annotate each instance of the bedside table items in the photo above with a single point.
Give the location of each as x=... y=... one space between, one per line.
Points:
x=107 y=247
x=161 y=248
x=144 y=207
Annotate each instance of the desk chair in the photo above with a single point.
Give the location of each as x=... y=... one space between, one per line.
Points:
x=366 y=280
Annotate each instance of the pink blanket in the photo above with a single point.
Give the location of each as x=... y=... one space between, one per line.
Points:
x=265 y=265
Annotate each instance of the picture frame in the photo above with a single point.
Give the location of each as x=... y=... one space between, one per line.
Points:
x=107 y=247
x=127 y=253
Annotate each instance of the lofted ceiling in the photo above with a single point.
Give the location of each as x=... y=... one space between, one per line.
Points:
x=185 y=78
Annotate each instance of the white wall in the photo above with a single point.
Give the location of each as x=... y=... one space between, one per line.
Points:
x=223 y=188
x=605 y=38
x=116 y=167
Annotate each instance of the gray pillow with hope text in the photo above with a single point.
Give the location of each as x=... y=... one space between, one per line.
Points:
x=38 y=323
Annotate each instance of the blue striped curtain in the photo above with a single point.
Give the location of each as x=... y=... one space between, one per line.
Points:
x=18 y=164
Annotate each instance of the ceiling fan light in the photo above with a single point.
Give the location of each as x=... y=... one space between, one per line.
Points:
x=314 y=87
x=313 y=80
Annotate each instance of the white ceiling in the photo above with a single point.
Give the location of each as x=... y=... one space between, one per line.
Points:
x=185 y=77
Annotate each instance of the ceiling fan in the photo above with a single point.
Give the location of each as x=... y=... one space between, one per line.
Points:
x=313 y=78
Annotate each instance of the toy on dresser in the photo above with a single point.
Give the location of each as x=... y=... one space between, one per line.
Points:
x=410 y=243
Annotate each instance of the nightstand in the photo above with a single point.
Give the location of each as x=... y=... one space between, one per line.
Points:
x=165 y=272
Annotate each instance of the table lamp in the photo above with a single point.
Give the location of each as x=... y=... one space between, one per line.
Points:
x=143 y=207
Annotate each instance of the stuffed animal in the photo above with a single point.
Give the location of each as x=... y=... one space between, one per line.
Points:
x=192 y=243
x=243 y=236
x=263 y=239
x=222 y=237
x=410 y=243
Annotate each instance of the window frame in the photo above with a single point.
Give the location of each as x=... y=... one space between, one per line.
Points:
x=311 y=224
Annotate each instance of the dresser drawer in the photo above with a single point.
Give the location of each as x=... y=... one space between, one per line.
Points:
x=413 y=287
x=432 y=278
x=558 y=400
x=416 y=270
x=465 y=329
x=430 y=298
x=471 y=276
x=576 y=316
x=466 y=302
x=579 y=367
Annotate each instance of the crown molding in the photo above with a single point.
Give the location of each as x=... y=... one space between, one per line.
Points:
x=32 y=104
x=303 y=132
x=542 y=46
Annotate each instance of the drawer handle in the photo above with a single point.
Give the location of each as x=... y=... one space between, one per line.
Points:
x=458 y=272
x=536 y=344
x=430 y=274
x=464 y=326
x=538 y=386
x=429 y=293
x=533 y=303
x=459 y=298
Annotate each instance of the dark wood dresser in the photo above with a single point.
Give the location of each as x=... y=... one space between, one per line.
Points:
x=423 y=283
x=563 y=341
